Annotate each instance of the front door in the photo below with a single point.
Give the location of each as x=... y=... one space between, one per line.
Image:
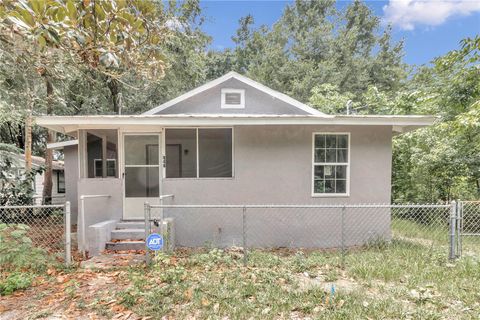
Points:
x=141 y=172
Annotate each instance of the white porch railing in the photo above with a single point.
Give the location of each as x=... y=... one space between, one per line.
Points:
x=82 y=218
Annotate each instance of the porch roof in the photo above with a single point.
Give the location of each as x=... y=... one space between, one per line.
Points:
x=70 y=124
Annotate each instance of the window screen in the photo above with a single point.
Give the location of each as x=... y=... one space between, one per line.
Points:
x=330 y=163
x=215 y=153
x=181 y=153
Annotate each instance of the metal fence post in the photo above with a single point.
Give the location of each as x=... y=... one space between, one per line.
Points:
x=82 y=225
x=344 y=209
x=244 y=234
x=453 y=218
x=147 y=231
x=68 y=234
x=459 y=228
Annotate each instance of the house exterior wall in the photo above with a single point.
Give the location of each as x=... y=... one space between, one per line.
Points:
x=256 y=102
x=70 y=154
x=273 y=165
x=100 y=209
x=57 y=198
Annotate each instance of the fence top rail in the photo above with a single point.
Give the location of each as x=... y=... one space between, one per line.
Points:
x=338 y=206
x=33 y=206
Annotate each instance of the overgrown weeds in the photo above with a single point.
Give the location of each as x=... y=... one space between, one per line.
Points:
x=396 y=280
x=20 y=260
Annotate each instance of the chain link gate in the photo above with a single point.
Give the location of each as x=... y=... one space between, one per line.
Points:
x=468 y=228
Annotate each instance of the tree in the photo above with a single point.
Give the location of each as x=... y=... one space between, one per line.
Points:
x=314 y=44
x=442 y=162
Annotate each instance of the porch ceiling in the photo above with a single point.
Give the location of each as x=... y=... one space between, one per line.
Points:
x=70 y=124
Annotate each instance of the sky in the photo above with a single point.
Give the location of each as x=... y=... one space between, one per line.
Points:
x=429 y=28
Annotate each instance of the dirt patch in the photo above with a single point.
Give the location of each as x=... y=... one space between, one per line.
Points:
x=82 y=294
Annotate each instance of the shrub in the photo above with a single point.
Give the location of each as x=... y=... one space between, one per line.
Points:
x=17 y=251
x=15 y=281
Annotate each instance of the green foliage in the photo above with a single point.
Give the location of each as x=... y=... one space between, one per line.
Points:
x=442 y=162
x=20 y=260
x=16 y=186
x=314 y=44
x=17 y=251
x=15 y=281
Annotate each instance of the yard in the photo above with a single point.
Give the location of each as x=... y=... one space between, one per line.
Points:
x=403 y=280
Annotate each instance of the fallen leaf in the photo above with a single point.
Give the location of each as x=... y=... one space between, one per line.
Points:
x=205 y=302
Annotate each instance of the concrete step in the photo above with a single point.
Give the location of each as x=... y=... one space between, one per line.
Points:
x=131 y=225
x=125 y=245
x=131 y=234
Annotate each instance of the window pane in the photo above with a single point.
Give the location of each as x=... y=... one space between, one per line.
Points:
x=319 y=186
x=341 y=186
x=318 y=172
x=215 y=152
x=329 y=172
x=141 y=150
x=111 y=168
x=331 y=141
x=329 y=186
x=331 y=155
x=320 y=155
x=319 y=141
x=341 y=172
x=60 y=182
x=181 y=153
x=342 y=155
x=342 y=141
x=141 y=182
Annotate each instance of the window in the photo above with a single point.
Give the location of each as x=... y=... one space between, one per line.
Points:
x=60 y=182
x=233 y=99
x=111 y=168
x=199 y=153
x=330 y=163
x=101 y=145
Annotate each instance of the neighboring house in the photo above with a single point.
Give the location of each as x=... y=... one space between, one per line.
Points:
x=58 y=179
x=230 y=141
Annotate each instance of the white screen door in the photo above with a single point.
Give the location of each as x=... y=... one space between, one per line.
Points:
x=141 y=173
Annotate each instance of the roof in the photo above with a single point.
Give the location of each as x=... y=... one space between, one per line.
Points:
x=70 y=124
x=39 y=162
x=233 y=75
x=62 y=144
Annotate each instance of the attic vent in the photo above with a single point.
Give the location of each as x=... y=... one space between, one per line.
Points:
x=233 y=99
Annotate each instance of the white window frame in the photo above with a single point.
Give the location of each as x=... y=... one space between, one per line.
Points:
x=106 y=176
x=164 y=176
x=347 y=189
x=233 y=106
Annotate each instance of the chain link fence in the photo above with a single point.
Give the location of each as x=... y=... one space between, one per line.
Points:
x=49 y=226
x=469 y=228
x=331 y=228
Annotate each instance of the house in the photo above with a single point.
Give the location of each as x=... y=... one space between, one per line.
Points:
x=58 y=178
x=229 y=141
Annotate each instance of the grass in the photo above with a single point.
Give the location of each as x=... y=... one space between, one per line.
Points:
x=402 y=280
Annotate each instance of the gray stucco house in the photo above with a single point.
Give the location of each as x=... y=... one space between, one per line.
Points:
x=229 y=141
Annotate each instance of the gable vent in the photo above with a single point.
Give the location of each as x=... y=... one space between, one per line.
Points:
x=233 y=99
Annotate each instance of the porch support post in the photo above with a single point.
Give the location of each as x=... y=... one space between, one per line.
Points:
x=104 y=156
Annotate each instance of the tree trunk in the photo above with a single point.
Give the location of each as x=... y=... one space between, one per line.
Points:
x=114 y=87
x=28 y=143
x=47 y=177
